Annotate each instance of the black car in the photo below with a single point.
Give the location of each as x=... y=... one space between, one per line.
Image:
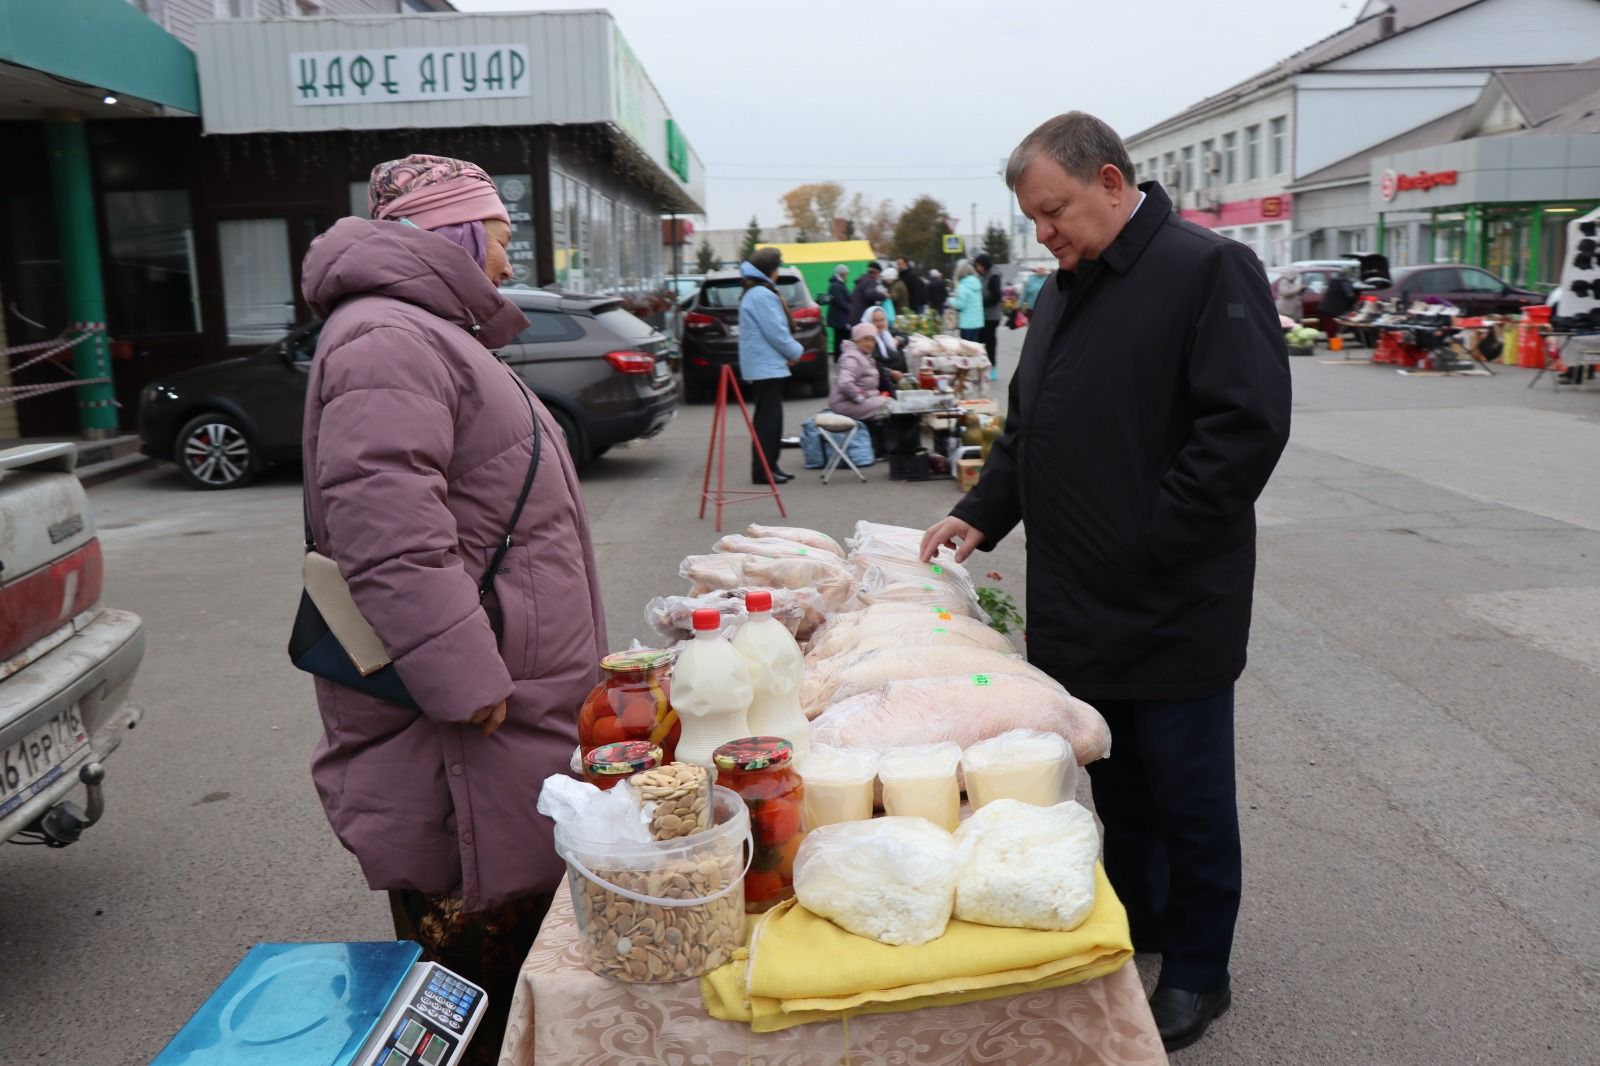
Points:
x=602 y=373
x=711 y=332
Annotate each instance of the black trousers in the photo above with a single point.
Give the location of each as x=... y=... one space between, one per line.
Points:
x=991 y=339
x=1167 y=798
x=767 y=398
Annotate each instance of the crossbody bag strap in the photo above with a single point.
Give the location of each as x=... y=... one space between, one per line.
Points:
x=522 y=499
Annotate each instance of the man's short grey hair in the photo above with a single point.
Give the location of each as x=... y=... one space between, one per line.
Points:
x=1080 y=143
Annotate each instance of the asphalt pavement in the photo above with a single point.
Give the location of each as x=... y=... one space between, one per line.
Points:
x=1418 y=752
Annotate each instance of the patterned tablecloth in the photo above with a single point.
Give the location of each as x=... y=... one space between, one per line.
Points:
x=563 y=1015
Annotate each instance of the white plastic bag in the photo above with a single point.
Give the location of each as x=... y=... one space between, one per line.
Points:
x=920 y=781
x=890 y=879
x=1029 y=765
x=1027 y=867
x=611 y=816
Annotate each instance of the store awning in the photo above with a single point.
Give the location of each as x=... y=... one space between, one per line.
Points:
x=71 y=54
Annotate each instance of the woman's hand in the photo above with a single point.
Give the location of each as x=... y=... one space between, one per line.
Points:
x=895 y=375
x=491 y=718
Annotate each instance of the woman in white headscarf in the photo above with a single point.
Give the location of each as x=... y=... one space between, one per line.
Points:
x=884 y=348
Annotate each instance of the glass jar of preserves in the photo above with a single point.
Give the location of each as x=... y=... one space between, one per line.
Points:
x=761 y=770
x=604 y=766
x=632 y=702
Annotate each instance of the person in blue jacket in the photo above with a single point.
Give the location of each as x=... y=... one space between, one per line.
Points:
x=969 y=303
x=767 y=349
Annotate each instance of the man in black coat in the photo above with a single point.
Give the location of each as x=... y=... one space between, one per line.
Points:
x=868 y=291
x=937 y=292
x=1147 y=412
x=915 y=286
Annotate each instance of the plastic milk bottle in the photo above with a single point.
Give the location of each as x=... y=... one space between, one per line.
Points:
x=776 y=670
x=710 y=691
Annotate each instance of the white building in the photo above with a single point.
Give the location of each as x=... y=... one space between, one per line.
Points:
x=1232 y=162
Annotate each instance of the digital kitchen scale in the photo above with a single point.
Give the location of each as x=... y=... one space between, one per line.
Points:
x=357 y=1004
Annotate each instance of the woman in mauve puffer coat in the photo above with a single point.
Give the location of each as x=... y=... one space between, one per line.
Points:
x=856 y=382
x=417 y=441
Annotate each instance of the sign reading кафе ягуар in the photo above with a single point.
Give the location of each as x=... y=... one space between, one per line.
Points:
x=397 y=75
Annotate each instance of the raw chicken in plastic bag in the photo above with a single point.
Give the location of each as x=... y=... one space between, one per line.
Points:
x=890 y=879
x=1027 y=867
x=874 y=538
x=965 y=710
x=885 y=578
x=800 y=610
x=843 y=676
x=910 y=630
x=841 y=620
x=809 y=537
x=772 y=547
x=823 y=572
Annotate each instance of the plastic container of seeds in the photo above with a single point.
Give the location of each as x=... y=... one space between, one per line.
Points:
x=666 y=910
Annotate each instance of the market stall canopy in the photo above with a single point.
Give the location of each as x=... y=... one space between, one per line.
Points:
x=816 y=259
x=100 y=57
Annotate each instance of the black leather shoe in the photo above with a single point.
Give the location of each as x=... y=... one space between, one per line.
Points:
x=778 y=477
x=1182 y=1017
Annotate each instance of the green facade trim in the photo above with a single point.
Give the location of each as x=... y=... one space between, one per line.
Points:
x=106 y=44
x=73 y=185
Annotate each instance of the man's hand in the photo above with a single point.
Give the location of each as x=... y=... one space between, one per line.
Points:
x=491 y=718
x=945 y=534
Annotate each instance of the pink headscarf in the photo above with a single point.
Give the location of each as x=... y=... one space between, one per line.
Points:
x=451 y=197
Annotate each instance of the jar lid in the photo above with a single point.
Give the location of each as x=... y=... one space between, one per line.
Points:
x=753 y=753
x=623 y=758
x=638 y=659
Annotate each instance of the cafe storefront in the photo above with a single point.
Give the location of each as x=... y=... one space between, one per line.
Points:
x=1501 y=203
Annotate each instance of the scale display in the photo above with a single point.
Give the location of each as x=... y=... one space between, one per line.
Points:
x=357 y=1004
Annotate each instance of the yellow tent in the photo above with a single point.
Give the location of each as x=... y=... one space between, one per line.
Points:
x=830 y=252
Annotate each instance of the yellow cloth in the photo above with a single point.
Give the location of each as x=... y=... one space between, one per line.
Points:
x=806 y=969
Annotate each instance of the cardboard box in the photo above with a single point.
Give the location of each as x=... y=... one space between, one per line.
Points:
x=967 y=471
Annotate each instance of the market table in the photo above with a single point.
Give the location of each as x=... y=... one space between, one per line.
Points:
x=563 y=1015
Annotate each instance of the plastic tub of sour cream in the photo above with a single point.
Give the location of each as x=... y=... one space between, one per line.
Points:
x=839 y=784
x=1034 y=767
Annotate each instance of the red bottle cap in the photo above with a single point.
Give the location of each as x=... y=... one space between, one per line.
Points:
x=757 y=600
x=707 y=618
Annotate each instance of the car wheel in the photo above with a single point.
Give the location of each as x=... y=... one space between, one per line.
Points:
x=575 y=446
x=214 y=452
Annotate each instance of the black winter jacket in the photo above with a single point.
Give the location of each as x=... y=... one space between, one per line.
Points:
x=839 y=306
x=1148 y=409
x=868 y=291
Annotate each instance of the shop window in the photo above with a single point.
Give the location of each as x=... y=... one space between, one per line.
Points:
x=1188 y=167
x=150 y=279
x=1397 y=245
x=1207 y=149
x=1168 y=161
x=1230 y=158
x=257 y=280
x=1252 y=152
x=1352 y=240
x=1150 y=170
x=1250 y=237
x=1278 y=136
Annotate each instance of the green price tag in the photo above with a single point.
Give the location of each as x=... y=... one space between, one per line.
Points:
x=805 y=551
x=938 y=569
x=941 y=630
x=926 y=588
x=980 y=680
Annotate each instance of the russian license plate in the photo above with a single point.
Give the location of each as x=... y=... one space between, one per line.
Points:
x=33 y=764
x=733 y=331
x=661 y=372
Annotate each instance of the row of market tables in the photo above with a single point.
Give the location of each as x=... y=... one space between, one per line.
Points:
x=1537 y=346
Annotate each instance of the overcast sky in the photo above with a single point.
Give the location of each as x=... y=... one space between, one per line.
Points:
x=893 y=100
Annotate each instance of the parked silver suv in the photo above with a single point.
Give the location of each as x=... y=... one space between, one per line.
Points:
x=66 y=662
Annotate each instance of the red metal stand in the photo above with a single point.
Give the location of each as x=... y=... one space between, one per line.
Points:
x=718 y=451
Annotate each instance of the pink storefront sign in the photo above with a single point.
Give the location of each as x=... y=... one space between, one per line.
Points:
x=1245 y=212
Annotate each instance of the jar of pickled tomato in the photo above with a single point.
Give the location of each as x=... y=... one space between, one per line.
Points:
x=632 y=702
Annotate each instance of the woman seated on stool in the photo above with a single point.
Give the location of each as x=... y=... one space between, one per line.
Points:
x=857 y=388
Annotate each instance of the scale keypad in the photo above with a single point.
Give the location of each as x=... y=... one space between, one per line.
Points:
x=448 y=1001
